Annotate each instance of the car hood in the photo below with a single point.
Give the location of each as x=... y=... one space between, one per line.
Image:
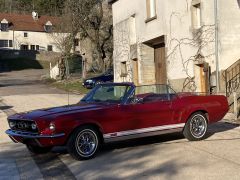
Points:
x=32 y=115
x=95 y=78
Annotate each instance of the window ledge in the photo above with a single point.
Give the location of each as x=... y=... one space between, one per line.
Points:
x=150 y=19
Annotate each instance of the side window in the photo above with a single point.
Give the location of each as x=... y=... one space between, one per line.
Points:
x=153 y=93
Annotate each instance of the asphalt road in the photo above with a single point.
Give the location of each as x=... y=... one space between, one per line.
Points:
x=160 y=157
x=25 y=82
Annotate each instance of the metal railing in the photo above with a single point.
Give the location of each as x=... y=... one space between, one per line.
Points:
x=232 y=78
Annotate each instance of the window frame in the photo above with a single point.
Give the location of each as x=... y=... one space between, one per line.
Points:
x=4 y=25
x=24 y=47
x=37 y=47
x=196 y=15
x=10 y=43
x=151 y=10
x=49 y=48
x=48 y=28
x=25 y=34
x=32 y=47
x=123 y=69
x=4 y=43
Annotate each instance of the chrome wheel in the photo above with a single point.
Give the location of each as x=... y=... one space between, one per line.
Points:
x=198 y=126
x=86 y=143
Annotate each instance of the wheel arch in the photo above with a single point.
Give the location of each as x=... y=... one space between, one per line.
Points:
x=202 y=111
x=93 y=125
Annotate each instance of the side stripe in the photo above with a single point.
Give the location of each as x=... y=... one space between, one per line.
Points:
x=143 y=130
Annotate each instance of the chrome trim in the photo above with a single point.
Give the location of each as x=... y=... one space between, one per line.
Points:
x=31 y=135
x=19 y=119
x=152 y=131
x=135 y=136
x=143 y=130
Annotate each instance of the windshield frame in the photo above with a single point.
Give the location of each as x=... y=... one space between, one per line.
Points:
x=123 y=101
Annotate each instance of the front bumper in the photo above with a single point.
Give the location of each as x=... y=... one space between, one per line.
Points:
x=31 y=135
x=33 y=138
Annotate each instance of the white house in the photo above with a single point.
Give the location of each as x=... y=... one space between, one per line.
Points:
x=27 y=32
x=173 y=41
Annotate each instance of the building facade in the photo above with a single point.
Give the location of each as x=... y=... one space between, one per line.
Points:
x=173 y=41
x=28 y=32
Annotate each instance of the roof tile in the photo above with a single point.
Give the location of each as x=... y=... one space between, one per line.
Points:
x=20 y=22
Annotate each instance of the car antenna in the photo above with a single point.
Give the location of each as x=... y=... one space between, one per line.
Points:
x=67 y=78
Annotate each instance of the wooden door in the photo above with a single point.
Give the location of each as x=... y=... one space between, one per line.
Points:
x=135 y=72
x=204 y=79
x=160 y=65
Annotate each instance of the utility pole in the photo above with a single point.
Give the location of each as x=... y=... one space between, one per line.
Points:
x=216 y=44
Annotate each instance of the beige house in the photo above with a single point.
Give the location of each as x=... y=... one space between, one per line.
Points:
x=28 y=32
x=173 y=41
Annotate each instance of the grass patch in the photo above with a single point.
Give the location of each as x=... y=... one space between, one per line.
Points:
x=69 y=86
x=23 y=63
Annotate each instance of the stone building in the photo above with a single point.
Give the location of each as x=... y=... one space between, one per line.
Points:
x=173 y=41
x=28 y=32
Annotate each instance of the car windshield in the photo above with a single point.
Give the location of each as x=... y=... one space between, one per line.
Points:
x=107 y=93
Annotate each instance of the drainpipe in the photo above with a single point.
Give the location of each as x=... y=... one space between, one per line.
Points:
x=216 y=44
x=13 y=40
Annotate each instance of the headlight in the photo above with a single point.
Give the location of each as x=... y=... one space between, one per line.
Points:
x=34 y=126
x=52 y=126
x=12 y=124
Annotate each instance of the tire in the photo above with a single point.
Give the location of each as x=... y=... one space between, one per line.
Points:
x=84 y=143
x=196 y=127
x=38 y=149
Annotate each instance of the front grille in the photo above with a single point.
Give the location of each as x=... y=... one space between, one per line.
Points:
x=22 y=125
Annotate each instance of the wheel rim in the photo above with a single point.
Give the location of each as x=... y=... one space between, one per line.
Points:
x=86 y=143
x=198 y=126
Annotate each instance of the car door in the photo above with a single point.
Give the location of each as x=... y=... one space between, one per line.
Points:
x=148 y=114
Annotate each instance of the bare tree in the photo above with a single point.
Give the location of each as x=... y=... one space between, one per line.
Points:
x=93 y=20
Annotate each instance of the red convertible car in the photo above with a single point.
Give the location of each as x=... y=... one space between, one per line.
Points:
x=115 y=112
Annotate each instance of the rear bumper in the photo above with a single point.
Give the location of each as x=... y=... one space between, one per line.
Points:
x=32 y=138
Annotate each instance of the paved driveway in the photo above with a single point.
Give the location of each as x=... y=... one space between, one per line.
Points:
x=160 y=157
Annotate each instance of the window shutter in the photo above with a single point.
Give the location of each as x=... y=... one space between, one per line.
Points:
x=148 y=8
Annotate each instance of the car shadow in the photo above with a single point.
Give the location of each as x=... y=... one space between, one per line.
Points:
x=166 y=138
x=143 y=141
x=220 y=127
x=129 y=143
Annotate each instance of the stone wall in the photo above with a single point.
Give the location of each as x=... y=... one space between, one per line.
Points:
x=33 y=55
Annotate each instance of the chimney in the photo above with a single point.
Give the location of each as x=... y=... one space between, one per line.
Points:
x=35 y=15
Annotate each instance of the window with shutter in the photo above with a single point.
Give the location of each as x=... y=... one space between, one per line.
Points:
x=151 y=9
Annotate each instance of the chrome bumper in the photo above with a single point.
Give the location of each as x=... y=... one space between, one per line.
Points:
x=29 y=135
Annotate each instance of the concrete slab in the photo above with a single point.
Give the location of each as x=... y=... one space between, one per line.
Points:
x=8 y=170
x=19 y=160
x=22 y=103
x=3 y=127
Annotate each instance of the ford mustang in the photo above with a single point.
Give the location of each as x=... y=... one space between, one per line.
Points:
x=116 y=112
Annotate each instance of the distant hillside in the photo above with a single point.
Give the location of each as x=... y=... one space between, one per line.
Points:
x=46 y=7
